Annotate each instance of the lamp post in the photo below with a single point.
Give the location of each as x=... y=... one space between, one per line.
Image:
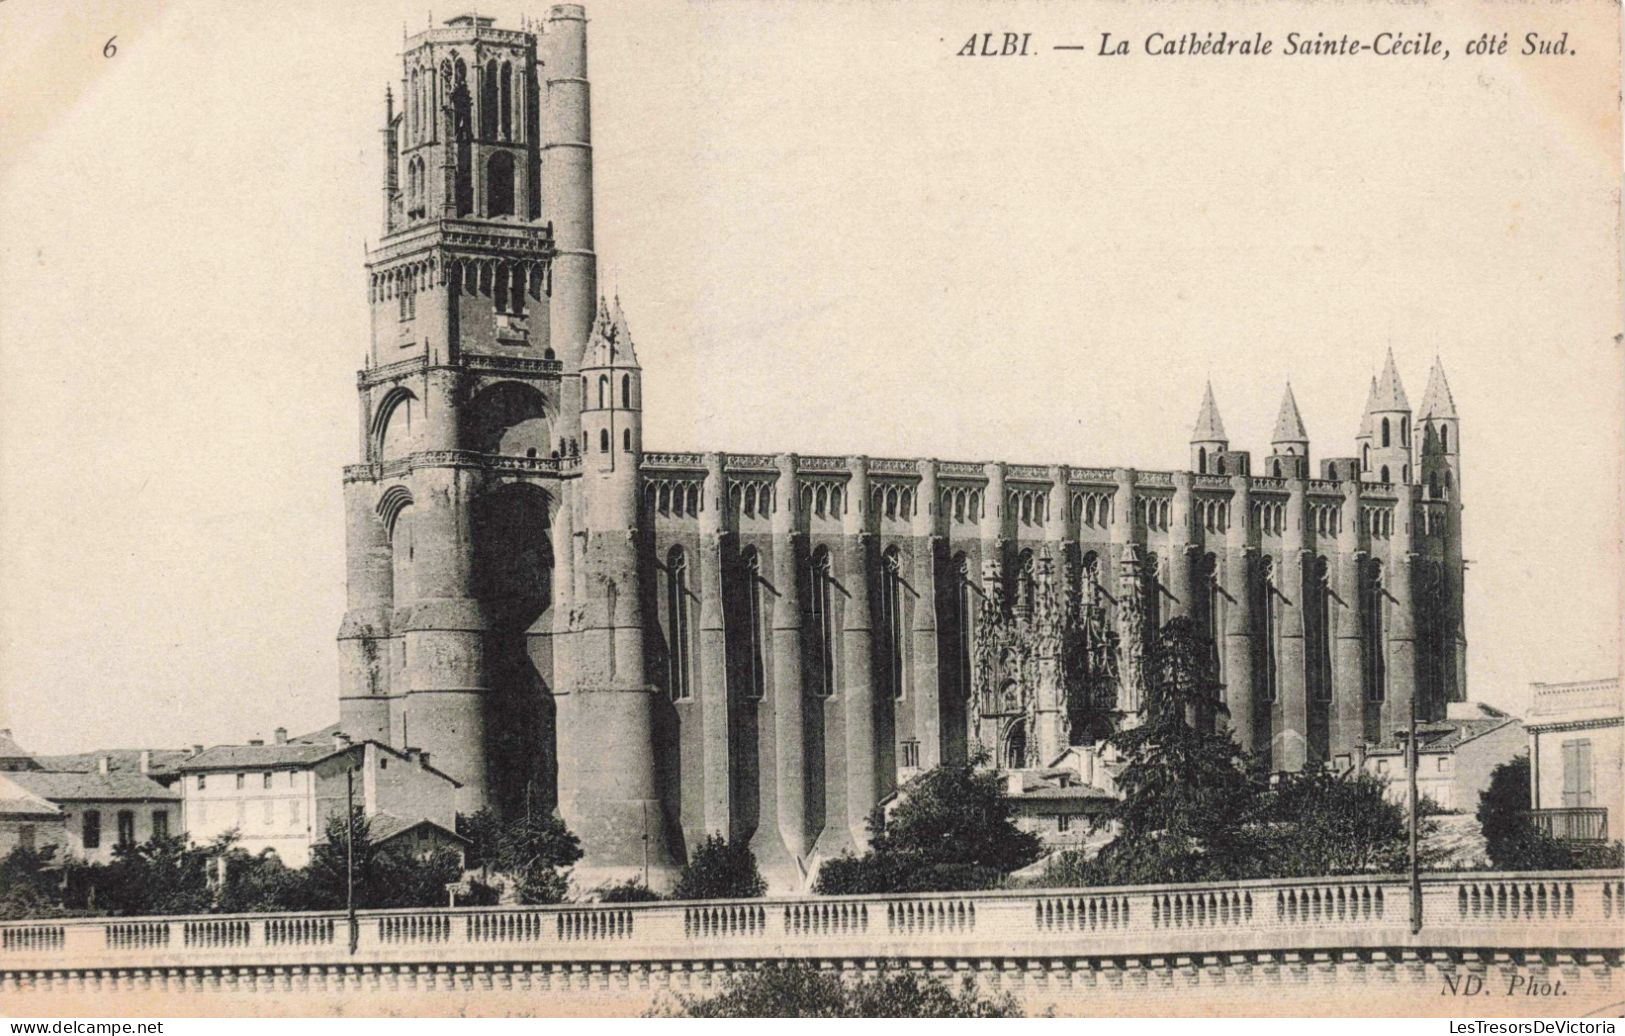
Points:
x=1411 y=760
x=349 y=857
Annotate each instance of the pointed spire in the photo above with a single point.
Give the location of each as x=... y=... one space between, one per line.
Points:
x=1288 y=424
x=1437 y=402
x=609 y=344
x=628 y=356
x=1209 y=426
x=1366 y=424
x=1390 y=393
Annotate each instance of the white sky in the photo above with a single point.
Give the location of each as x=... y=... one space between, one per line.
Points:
x=830 y=236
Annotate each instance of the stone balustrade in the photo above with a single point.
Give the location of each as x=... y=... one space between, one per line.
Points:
x=1573 y=912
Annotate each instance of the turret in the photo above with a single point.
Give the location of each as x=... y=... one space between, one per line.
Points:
x=1439 y=428
x=1289 y=445
x=1390 y=416
x=1208 y=440
x=611 y=422
x=1362 y=439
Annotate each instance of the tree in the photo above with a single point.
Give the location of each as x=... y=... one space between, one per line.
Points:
x=1511 y=838
x=952 y=829
x=385 y=877
x=799 y=990
x=30 y=885
x=535 y=851
x=720 y=869
x=632 y=890
x=1188 y=792
x=1196 y=807
x=1316 y=822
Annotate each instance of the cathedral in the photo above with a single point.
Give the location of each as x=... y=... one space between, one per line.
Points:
x=664 y=646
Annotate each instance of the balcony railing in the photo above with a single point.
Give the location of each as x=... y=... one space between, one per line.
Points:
x=1557 y=910
x=1574 y=823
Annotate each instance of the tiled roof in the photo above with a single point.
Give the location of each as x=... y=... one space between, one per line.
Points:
x=248 y=757
x=119 y=760
x=10 y=749
x=1443 y=736
x=323 y=736
x=18 y=803
x=384 y=826
x=60 y=786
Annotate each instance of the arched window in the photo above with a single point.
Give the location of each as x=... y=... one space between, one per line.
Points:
x=488 y=101
x=1152 y=593
x=1269 y=613
x=1275 y=468
x=820 y=588
x=1444 y=438
x=626 y=391
x=1385 y=441
x=499 y=184
x=1220 y=463
x=516 y=285
x=1025 y=591
x=1365 y=457
x=963 y=612
x=584 y=396
x=1404 y=431
x=626 y=440
x=603 y=391
x=1433 y=486
x=1212 y=613
x=507 y=101
x=1384 y=474
x=1374 y=601
x=603 y=440
x=891 y=620
x=1201 y=459
x=1320 y=630
x=1405 y=473
x=677 y=619
x=757 y=675
x=1015 y=748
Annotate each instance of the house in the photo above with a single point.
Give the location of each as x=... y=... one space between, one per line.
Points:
x=14 y=756
x=28 y=821
x=419 y=837
x=99 y=810
x=280 y=796
x=1455 y=755
x=162 y=765
x=1575 y=740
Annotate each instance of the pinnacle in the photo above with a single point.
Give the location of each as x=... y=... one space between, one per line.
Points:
x=609 y=344
x=1436 y=399
x=1390 y=393
x=1289 y=424
x=1366 y=429
x=1209 y=426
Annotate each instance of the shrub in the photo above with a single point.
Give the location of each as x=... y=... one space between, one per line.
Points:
x=720 y=869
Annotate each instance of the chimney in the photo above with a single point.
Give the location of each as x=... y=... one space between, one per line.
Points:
x=146 y=760
x=281 y=735
x=341 y=739
x=423 y=759
x=256 y=741
x=103 y=765
x=197 y=749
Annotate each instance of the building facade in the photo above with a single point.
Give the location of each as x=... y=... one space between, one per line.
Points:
x=1576 y=752
x=666 y=645
x=1455 y=755
x=281 y=796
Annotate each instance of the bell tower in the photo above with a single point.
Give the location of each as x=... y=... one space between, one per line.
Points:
x=481 y=293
